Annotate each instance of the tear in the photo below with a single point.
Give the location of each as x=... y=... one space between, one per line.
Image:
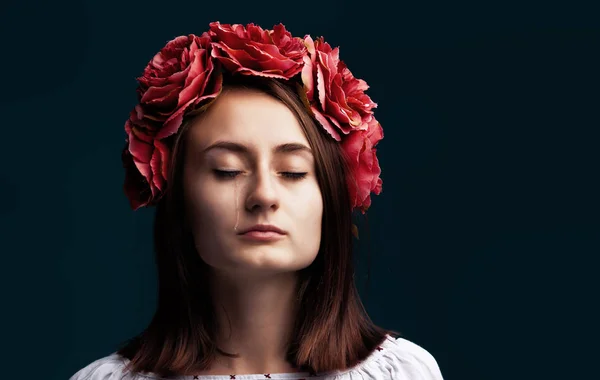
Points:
x=237 y=204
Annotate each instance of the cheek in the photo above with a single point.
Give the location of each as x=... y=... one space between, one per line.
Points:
x=210 y=207
x=309 y=212
x=213 y=216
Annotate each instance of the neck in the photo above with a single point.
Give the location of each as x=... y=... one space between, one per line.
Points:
x=255 y=315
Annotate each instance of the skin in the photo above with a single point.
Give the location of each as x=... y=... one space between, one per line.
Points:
x=253 y=283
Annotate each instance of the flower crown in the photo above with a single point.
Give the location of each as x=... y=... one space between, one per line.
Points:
x=188 y=73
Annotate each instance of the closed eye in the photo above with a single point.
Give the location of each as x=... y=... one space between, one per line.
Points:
x=294 y=175
x=226 y=173
x=234 y=173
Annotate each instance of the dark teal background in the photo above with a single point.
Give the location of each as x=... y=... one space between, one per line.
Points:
x=483 y=243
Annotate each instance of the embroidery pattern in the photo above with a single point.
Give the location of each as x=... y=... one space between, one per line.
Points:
x=268 y=375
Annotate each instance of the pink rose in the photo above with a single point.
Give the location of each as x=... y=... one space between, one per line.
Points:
x=337 y=98
x=181 y=75
x=251 y=50
x=145 y=159
x=359 y=147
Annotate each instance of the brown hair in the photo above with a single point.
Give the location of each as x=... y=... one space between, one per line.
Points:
x=332 y=330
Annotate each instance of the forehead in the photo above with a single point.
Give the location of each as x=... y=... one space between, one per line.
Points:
x=247 y=116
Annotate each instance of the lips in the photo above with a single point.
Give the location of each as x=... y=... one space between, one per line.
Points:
x=263 y=229
x=262 y=233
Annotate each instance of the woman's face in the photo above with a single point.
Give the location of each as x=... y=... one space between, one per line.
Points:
x=249 y=163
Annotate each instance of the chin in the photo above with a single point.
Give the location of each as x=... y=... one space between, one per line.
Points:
x=265 y=258
x=269 y=262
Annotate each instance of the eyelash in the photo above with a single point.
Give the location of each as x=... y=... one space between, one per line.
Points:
x=229 y=174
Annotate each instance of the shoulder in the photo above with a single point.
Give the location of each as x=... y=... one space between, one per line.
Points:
x=413 y=360
x=398 y=359
x=107 y=368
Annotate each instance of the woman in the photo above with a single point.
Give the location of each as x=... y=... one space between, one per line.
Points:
x=255 y=147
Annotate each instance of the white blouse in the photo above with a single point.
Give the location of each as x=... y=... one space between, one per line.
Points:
x=395 y=359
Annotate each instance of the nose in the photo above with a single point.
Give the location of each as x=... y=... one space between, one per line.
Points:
x=262 y=192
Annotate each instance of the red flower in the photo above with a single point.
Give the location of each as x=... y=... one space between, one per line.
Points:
x=187 y=72
x=359 y=147
x=337 y=98
x=251 y=50
x=181 y=75
x=145 y=159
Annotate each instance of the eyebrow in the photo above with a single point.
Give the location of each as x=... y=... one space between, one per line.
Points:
x=240 y=148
